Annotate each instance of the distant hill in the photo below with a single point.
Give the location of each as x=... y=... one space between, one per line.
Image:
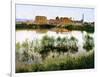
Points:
x=22 y=20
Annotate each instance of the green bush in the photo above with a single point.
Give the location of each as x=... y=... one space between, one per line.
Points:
x=65 y=58
x=67 y=62
x=89 y=43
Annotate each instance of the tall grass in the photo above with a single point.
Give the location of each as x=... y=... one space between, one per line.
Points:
x=70 y=62
x=66 y=62
x=49 y=54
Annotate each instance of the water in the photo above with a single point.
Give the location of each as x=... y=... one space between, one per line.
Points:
x=22 y=35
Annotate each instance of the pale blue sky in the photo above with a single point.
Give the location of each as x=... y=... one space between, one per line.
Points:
x=30 y=11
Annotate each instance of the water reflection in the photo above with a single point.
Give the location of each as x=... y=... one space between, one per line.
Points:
x=22 y=35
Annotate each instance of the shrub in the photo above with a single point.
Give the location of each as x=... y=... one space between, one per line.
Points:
x=47 y=44
x=73 y=45
x=89 y=43
x=69 y=62
x=64 y=62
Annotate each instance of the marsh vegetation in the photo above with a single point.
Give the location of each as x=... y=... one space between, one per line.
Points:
x=50 y=53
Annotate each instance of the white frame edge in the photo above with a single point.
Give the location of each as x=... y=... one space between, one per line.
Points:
x=13 y=3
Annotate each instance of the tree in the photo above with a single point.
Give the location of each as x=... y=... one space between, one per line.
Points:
x=57 y=18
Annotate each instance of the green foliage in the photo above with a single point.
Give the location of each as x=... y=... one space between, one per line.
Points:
x=84 y=27
x=18 y=46
x=25 y=45
x=88 y=27
x=22 y=67
x=62 y=58
x=89 y=43
x=73 y=45
x=47 y=44
x=25 y=26
x=34 y=26
x=37 y=46
x=61 y=44
x=66 y=62
x=69 y=62
x=47 y=41
x=25 y=56
x=37 y=67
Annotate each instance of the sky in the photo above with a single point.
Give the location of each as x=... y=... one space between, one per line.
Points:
x=24 y=11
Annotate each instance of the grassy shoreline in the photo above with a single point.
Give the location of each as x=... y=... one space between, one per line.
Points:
x=58 y=63
x=49 y=54
x=85 y=27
